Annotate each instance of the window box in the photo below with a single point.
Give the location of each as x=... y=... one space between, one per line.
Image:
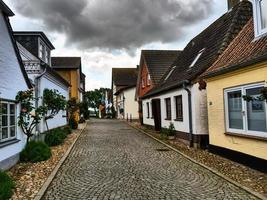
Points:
x=242 y=117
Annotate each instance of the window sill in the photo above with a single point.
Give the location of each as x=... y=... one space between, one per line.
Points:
x=179 y=120
x=7 y=143
x=246 y=136
x=168 y=119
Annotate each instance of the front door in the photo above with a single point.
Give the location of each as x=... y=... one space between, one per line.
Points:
x=156 y=111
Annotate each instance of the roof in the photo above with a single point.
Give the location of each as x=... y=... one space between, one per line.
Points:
x=124 y=76
x=214 y=39
x=243 y=51
x=66 y=62
x=35 y=33
x=158 y=62
x=56 y=75
x=6 y=9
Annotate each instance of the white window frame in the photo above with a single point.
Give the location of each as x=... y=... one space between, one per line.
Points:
x=8 y=121
x=170 y=73
x=259 y=31
x=148 y=80
x=197 y=58
x=245 y=130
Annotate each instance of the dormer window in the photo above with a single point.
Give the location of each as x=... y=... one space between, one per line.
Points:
x=41 y=50
x=44 y=52
x=170 y=73
x=148 y=80
x=260 y=17
x=197 y=57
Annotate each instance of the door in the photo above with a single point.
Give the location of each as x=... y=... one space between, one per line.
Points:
x=156 y=111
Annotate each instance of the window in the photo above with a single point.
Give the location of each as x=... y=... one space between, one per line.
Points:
x=152 y=115
x=148 y=110
x=169 y=74
x=143 y=83
x=168 y=109
x=148 y=80
x=47 y=56
x=41 y=51
x=8 y=121
x=260 y=17
x=179 y=107
x=196 y=59
x=245 y=117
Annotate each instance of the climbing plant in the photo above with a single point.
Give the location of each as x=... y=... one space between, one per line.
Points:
x=29 y=116
x=54 y=102
x=261 y=97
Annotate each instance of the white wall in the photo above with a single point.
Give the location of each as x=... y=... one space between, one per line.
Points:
x=199 y=110
x=48 y=82
x=131 y=105
x=11 y=81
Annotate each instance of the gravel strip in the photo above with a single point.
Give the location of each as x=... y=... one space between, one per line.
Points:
x=30 y=177
x=253 y=179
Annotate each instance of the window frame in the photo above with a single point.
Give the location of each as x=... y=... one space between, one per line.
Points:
x=197 y=58
x=179 y=118
x=148 y=110
x=257 y=15
x=148 y=80
x=245 y=130
x=9 y=126
x=167 y=113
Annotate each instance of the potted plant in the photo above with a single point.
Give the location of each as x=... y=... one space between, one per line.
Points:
x=171 y=132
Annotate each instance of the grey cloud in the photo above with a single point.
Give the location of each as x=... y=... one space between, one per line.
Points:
x=116 y=24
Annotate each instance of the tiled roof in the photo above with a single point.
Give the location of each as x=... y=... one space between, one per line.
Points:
x=242 y=50
x=158 y=62
x=6 y=9
x=214 y=39
x=66 y=62
x=124 y=76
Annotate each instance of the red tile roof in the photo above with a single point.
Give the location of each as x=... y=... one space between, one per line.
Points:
x=241 y=52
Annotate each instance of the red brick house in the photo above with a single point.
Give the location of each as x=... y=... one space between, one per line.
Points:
x=153 y=65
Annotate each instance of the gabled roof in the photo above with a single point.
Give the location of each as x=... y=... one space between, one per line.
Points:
x=214 y=39
x=124 y=76
x=6 y=9
x=242 y=52
x=66 y=62
x=158 y=62
x=35 y=33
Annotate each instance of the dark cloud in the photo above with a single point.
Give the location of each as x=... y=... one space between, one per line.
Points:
x=116 y=24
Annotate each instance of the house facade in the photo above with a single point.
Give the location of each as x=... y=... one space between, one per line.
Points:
x=181 y=97
x=235 y=85
x=12 y=139
x=124 y=87
x=38 y=68
x=70 y=68
x=153 y=65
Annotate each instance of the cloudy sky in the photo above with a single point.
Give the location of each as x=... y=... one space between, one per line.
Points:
x=111 y=33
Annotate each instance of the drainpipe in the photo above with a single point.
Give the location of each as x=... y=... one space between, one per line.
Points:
x=36 y=82
x=185 y=84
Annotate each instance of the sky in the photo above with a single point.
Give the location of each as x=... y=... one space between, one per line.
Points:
x=112 y=33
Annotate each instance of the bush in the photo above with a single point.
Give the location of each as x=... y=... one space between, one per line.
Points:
x=171 y=130
x=35 y=152
x=67 y=130
x=6 y=186
x=55 y=137
x=73 y=123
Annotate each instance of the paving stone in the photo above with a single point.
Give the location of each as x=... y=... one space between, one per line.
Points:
x=112 y=161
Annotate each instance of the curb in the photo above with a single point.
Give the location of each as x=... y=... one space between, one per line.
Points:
x=260 y=196
x=48 y=181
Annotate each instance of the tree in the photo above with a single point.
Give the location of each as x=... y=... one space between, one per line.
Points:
x=73 y=107
x=95 y=98
x=54 y=102
x=29 y=116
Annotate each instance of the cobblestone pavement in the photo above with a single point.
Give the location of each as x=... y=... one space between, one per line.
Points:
x=113 y=161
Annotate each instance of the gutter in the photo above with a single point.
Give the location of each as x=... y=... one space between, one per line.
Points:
x=185 y=84
x=36 y=82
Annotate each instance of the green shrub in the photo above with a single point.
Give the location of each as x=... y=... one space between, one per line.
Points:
x=73 y=124
x=55 y=137
x=6 y=186
x=67 y=130
x=35 y=152
x=171 y=130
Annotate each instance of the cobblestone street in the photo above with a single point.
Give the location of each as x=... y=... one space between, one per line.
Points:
x=113 y=161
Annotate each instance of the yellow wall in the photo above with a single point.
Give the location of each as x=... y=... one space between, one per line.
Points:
x=72 y=76
x=217 y=129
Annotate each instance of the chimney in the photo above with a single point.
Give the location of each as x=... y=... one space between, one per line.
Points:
x=232 y=3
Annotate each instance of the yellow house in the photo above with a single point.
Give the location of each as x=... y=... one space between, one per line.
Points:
x=70 y=69
x=237 y=126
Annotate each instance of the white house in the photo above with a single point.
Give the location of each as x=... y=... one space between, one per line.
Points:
x=123 y=87
x=13 y=78
x=40 y=72
x=181 y=97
